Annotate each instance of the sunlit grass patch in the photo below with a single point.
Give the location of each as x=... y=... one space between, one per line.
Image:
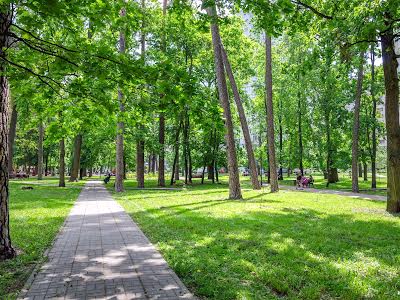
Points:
x=36 y=216
x=292 y=245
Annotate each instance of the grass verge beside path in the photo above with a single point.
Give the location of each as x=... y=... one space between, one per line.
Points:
x=35 y=218
x=268 y=246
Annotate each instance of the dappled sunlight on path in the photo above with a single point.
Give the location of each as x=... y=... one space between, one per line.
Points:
x=101 y=253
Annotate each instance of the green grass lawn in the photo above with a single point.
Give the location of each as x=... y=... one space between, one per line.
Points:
x=345 y=183
x=268 y=246
x=35 y=218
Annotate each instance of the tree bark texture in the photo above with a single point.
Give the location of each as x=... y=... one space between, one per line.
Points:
x=374 y=107
x=356 y=126
x=243 y=122
x=140 y=169
x=365 y=169
x=161 y=129
x=300 y=131
x=61 y=182
x=40 y=151
x=270 y=115
x=76 y=159
x=119 y=161
x=234 y=182
x=390 y=65
x=140 y=163
x=175 y=166
x=6 y=249
x=161 y=158
x=11 y=137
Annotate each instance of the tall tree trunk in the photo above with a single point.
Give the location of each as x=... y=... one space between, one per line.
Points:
x=161 y=158
x=356 y=126
x=190 y=168
x=6 y=249
x=40 y=151
x=360 y=170
x=140 y=164
x=46 y=166
x=140 y=169
x=374 y=104
x=243 y=122
x=261 y=156
x=365 y=167
x=11 y=137
x=234 y=181
x=185 y=149
x=280 y=177
x=300 y=131
x=214 y=157
x=76 y=159
x=61 y=182
x=153 y=163
x=270 y=115
x=392 y=120
x=161 y=130
x=120 y=170
x=175 y=167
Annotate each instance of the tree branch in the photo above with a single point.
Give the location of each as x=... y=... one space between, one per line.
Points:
x=313 y=9
x=40 y=49
x=40 y=77
x=44 y=41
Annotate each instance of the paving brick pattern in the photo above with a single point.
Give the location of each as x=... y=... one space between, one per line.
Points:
x=102 y=254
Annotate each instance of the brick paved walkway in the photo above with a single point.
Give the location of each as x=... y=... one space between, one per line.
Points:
x=102 y=254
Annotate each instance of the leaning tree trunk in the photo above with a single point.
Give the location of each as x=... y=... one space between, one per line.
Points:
x=390 y=65
x=11 y=137
x=175 y=166
x=119 y=160
x=61 y=182
x=356 y=126
x=270 y=115
x=374 y=106
x=40 y=151
x=243 y=122
x=76 y=159
x=6 y=250
x=234 y=181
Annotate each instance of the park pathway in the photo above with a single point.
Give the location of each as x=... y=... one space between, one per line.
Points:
x=336 y=192
x=101 y=253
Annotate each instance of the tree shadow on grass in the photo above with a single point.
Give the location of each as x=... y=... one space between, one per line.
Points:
x=290 y=253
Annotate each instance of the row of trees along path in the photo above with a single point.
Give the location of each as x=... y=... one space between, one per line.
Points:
x=84 y=73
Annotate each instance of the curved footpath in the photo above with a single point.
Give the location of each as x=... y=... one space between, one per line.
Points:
x=100 y=253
